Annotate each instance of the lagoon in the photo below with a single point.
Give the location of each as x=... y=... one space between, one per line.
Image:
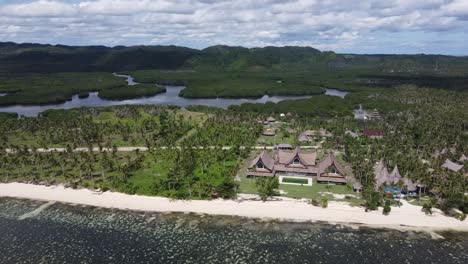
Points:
x=171 y=97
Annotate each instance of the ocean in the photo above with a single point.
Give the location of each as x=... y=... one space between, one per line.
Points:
x=40 y=232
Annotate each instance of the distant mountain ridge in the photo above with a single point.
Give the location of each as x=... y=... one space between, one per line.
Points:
x=44 y=58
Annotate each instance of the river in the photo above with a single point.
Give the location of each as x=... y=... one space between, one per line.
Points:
x=79 y=234
x=171 y=97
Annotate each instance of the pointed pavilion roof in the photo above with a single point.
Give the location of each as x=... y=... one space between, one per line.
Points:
x=287 y=157
x=265 y=158
x=329 y=161
x=463 y=158
x=395 y=176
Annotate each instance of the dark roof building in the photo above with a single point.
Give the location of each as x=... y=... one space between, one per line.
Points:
x=298 y=163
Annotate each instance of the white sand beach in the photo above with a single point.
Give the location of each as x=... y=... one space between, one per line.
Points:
x=405 y=217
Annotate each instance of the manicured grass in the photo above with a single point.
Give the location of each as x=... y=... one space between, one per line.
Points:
x=247 y=185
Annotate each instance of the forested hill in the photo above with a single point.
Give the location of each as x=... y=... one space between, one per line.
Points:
x=26 y=58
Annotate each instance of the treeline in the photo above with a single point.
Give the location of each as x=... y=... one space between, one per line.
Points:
x=185 y=157
x=432 y=127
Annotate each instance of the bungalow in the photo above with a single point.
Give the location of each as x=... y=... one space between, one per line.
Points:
x=452 y=166
x=297 y=164
x=271 y=119
x=309 y=135
x=331 y=171
x=269 y=132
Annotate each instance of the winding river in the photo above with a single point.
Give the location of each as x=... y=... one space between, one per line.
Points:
x=171 y=97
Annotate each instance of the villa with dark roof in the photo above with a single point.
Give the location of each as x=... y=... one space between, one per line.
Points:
x=297 y=164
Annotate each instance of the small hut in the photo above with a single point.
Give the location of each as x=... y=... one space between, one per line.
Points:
x=269 y=132
x=357 y=187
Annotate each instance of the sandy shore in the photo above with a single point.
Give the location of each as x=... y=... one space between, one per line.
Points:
x=405 y=217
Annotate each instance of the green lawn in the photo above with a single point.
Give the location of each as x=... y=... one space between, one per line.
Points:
x=247 y=185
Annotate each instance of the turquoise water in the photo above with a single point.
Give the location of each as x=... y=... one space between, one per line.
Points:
x=77 y=234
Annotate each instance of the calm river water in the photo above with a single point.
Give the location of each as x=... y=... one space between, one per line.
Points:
x=171 y=97
x=77 y=234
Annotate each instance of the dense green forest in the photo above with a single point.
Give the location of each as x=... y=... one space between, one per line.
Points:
x=37 y=74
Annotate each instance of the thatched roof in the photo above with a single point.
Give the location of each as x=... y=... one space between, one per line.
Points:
x=463 y=158
x=287 y=157
x=284 y=146
x=331 y=160
x=448 y=164
x=395 y=176
x=410 y=185
x=381 y=174
x=269 y=132
x=265 y=158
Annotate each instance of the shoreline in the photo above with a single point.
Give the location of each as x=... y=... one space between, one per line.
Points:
x=406 y=217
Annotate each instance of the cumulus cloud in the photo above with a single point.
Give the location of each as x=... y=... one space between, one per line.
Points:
x=325 y=24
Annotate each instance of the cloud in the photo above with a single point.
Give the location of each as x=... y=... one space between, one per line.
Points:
x=325 y=24
x=38 y=9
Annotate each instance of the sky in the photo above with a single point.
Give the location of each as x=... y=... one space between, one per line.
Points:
x=344 y=26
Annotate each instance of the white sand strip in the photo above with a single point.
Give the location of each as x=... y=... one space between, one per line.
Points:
x=406 y=217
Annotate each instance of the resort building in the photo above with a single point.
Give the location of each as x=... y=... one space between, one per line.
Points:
x=310 y=135
x=361 y=114
x=297 y=164
x=375 y=115
x=382 y=177
x=331 y=171
x=452 y=166
x=263 y=165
